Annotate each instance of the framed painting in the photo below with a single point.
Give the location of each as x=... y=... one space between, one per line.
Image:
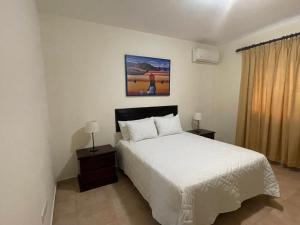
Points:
x=146 y=76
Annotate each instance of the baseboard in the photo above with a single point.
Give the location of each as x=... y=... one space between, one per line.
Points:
x=53 y=203
x=65 y=178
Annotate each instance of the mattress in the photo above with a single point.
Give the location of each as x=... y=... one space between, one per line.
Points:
x=189 y=180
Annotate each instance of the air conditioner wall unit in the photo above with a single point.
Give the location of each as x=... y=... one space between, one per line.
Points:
x=206 y=55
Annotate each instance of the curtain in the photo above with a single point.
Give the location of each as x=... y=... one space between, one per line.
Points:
x=269 y=104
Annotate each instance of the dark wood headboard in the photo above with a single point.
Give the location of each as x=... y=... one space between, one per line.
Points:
x=143 y=112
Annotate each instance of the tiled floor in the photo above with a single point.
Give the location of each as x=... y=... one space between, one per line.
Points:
x=121 y=204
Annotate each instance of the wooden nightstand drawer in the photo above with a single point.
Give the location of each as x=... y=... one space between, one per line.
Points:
x=94 y=163
x=97 y=168
x=95 y=175
x=203 y=133
x=209 y=135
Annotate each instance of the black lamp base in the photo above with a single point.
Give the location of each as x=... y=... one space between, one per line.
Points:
x=93 y=149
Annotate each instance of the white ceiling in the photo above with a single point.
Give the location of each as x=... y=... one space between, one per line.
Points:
x=206 y=21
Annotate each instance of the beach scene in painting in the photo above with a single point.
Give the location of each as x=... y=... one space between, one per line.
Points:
x=147 y=76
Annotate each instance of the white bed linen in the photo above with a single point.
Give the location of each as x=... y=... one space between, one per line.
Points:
x=189 y=180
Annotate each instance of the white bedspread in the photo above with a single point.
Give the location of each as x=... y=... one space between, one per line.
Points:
x=190 y=180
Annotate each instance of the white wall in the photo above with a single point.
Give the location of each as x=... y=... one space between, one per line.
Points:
x=26 y=180
x=227 y=80
x=86 y=81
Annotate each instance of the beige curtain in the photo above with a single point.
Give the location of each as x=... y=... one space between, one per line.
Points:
x=269 y=104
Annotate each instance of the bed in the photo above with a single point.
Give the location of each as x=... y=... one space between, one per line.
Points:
x=188 y=179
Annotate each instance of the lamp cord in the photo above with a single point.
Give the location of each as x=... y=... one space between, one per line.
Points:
x=93 y=141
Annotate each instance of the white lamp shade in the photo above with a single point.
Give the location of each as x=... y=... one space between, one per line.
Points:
x=197 y=116
x=91 y=127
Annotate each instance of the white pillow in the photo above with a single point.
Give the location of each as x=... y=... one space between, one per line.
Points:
x=167 y=126
x=124 y=128
x=141 y=130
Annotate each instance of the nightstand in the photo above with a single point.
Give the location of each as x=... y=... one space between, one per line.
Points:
x=204 y=133
x=96 y=168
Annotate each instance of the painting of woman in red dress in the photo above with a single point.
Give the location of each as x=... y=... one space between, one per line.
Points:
x=147 y=76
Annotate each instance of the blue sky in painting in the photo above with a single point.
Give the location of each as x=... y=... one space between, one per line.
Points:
x=162 y=63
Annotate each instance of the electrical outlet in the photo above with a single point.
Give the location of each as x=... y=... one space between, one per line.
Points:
x=44 y=212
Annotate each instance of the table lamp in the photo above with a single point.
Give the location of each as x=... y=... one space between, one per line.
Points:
x=92 y=127
x=198 y=117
